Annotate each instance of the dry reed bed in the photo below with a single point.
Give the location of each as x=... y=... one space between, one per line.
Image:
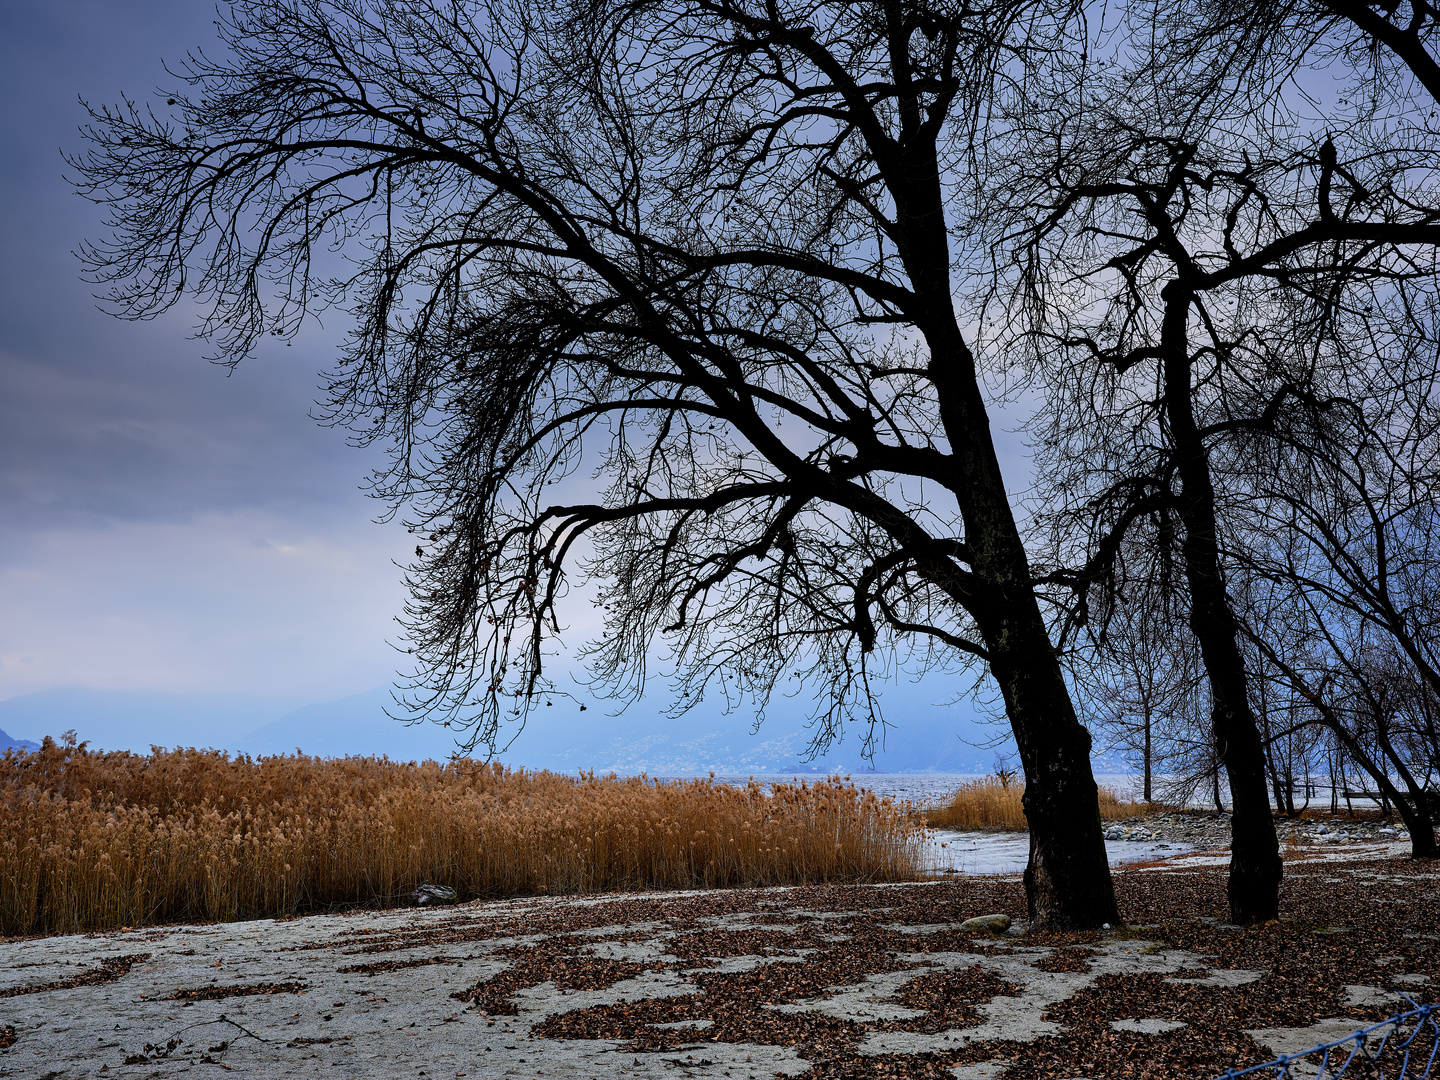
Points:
x=994 y=803
x=100 y=840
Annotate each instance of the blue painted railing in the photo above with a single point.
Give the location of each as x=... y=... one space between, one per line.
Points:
x=1410 y=1043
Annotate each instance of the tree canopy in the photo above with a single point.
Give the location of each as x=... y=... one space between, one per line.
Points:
x=703 y=305
x=707 y=255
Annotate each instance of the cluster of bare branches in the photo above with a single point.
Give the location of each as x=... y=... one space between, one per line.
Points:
x=696 y=309
x=654 y=294
x=1225 y=272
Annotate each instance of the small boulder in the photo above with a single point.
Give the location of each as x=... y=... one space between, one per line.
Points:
x=435 y=894
x=993 y=924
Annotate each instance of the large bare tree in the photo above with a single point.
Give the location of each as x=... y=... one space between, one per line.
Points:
x=1346 y=549
x=1204 y=272
x=657 y=294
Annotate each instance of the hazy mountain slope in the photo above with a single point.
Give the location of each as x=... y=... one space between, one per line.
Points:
x=133 y=720
x=8 y=743
x=351 y=725
x=922 y=737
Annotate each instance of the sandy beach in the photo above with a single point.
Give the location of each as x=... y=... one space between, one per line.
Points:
x=843 y=981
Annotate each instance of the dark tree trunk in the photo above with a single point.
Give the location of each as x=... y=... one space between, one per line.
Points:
x=1416 y=810
x=1255 y=867
x=1147 y=755
x=1330 y=753
x=1276 y=781
x=1280 y=780
x=1416 y=817
x=1067 y=881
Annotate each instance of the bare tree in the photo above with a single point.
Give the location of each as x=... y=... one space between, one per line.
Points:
x=1359 y=704
x=1134 y=698
x=1291 y=735
x=1347 y=551
x=1142 y=674
x=700 y=252
x=1197 y=269
x=1366 y=569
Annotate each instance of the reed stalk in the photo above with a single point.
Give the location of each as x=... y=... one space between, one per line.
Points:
x=96 y=840
x=993 y=802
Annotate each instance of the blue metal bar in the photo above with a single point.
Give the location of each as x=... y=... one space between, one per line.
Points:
x=1424 y=1016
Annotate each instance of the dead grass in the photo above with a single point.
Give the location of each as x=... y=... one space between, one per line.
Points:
x=993 y=802
x=104 y=840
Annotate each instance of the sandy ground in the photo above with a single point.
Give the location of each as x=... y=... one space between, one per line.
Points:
x=820 y=981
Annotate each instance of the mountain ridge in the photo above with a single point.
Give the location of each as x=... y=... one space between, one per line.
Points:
x=922 y=737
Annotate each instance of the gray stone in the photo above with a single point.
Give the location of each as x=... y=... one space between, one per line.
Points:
x=435 y=894
x=994 y=924
x=1149 y=1025
x=1357 y=996
x=1224 y=977
x=980 y=1070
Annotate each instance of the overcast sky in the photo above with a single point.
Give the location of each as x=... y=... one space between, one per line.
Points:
x=165 y=525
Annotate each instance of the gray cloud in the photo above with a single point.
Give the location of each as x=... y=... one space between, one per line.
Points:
x=102 y=419
x=164 y=525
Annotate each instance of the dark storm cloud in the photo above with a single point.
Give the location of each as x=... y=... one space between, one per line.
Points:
x=101 y=419
x=164 y=527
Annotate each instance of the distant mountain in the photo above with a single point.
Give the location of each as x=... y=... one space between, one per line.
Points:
x=924 y=737
x=134 y=720
x=9 y=743
x=356 y=724
x=727 y=745
x=563 y=738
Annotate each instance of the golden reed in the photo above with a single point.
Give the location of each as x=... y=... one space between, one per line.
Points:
x=993 y=802
x=97 y=840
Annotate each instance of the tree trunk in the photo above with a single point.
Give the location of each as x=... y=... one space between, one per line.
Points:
x=1271 y=763
x=1417 y=819
x=1067 y=881
x=1255 y=867
x=1147 y=755
x=1275 y=781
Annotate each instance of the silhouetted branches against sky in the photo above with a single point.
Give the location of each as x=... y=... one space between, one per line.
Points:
x=1309 y=248
x=634 y=298
x=1225 y=275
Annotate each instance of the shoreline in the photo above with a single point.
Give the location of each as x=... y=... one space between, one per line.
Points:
x=1201 y=826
